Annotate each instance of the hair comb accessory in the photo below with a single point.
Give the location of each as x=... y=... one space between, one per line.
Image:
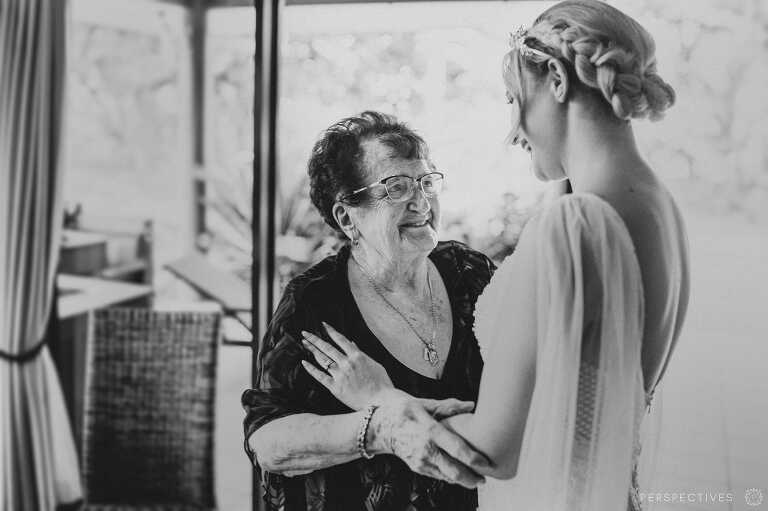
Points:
x=517 y=43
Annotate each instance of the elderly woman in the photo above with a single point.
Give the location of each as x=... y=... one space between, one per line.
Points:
x=408 y=302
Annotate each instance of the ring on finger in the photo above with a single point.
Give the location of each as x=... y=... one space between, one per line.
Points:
x=329 y=364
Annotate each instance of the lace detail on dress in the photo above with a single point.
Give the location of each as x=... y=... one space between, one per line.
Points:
x=635 y=502
x=583 y=432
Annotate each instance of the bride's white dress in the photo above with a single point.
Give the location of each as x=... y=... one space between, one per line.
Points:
x=581 y=445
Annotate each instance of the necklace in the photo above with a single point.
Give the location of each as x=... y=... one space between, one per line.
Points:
x=430 y=349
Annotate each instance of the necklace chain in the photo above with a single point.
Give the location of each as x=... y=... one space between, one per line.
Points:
x=430 y=350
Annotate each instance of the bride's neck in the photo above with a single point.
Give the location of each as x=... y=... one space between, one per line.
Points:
x=600 y=153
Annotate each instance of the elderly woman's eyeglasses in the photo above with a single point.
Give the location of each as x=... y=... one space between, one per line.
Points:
x=400 y=188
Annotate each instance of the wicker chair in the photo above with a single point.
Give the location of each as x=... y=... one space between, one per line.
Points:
x=149 y=411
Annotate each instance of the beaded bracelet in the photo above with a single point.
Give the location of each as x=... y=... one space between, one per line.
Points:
x=363 y=432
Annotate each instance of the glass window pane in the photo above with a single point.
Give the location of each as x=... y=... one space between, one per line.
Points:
x=230 y=47
x=128 y=112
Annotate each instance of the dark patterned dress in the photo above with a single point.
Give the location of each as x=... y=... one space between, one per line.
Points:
x=384 y=483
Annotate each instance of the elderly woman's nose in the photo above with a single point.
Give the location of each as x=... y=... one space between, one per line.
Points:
x=419 y=202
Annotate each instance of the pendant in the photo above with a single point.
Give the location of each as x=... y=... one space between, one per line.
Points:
x=430 y=354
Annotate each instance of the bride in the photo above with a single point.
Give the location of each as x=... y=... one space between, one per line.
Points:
x=578 y=326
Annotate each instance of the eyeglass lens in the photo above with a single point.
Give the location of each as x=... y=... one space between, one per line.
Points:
x=401 y=187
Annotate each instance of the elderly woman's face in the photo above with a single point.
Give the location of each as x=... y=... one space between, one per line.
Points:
x=392 y=228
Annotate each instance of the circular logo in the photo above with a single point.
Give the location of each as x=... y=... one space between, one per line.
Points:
x=754 y=497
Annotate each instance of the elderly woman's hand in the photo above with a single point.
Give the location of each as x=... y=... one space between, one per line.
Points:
x=357 y=380
x=352 y=376
x=405 y=427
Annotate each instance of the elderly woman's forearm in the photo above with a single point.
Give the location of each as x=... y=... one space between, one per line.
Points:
x=306 y=442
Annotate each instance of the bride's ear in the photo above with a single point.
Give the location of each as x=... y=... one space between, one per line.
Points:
x=559 y=83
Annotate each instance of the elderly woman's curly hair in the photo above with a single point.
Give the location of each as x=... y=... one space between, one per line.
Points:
x=336 y=166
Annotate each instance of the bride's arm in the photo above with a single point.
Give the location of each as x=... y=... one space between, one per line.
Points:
x=496 y=428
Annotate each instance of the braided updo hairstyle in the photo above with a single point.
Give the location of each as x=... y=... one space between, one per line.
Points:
x=606 y=50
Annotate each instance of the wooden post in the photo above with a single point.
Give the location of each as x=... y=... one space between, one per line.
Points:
x=197 y=24
x=264 y=183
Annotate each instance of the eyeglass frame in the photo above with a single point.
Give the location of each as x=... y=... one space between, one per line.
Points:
x=383 y=183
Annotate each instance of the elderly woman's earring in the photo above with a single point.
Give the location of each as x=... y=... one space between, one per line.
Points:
x=355 y=238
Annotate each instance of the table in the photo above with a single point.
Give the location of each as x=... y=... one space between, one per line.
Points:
x=79 y=295
x=232 y=293
x=224 y=288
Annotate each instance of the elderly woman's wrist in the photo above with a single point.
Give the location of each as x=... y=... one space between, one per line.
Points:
x=363 y=440
x=391 y=413
x=378 y=436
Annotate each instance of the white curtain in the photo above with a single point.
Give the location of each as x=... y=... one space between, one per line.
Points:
x=38 y=461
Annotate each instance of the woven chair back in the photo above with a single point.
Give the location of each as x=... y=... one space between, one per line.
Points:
x=149 y=410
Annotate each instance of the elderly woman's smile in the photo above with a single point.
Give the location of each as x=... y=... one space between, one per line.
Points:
x=417 y=224
x=419 y=232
